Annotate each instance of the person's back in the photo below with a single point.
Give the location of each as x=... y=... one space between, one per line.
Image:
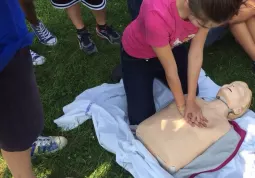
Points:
x=13 y=32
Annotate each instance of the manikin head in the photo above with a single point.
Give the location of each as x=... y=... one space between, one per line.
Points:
x=237 y=96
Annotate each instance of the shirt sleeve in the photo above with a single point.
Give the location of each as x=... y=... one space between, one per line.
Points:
x=156 y=30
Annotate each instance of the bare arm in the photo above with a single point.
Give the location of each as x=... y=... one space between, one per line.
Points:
x=167 y=60
x=195 y=60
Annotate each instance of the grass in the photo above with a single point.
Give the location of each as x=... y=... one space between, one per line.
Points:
x=68 y=72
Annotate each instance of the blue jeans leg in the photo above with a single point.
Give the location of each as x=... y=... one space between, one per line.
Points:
x=215 y=34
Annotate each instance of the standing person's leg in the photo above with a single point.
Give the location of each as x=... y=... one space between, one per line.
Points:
x=21 y=114
x=21 y=117
x=42 y=33
x=19 y=163
x=98 y=8
x=29 y=10
x=138 y=84
x=244 y=37
x=74 y=13
x=73 y=9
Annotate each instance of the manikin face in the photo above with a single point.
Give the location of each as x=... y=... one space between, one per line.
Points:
x=237 y=95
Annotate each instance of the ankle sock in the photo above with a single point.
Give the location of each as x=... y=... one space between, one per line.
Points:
x=101 y=26
x=81 y=30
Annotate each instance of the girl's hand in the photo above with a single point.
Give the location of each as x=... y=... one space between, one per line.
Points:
x=193 y=114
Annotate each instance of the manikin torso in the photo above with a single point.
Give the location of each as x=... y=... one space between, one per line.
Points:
x=176 y=143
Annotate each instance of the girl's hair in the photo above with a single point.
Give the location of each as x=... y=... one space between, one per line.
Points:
x=218 y=11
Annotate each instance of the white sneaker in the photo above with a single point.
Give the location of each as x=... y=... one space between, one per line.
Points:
x=47 y=145
x=37 y=59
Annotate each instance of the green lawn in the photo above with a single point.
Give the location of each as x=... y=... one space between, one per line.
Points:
x=68 y=72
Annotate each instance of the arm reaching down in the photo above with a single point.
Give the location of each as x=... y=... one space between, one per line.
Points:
x=195 y=59
x=167 y=60
x=158 y=38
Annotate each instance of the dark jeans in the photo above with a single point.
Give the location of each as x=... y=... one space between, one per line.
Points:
x=214 y=34
x=138 y=77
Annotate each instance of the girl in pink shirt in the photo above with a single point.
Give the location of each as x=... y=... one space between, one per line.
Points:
x=152 y=48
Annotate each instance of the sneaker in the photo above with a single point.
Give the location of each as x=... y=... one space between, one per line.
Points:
x=37 y=59
x=44 y=35
x=47 y=145
x=108 y=33
x=85 y=42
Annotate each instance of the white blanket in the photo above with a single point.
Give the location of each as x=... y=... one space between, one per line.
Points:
x=106 y=105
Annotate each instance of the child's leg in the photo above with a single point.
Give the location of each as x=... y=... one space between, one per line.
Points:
x=100 y=16
x=21 y=113
x=19 y=163
x=138 y=84
x=103 y=30
x=74 y=13
x=43 y=34
x=244 y=37
x=85 y=42
x=29 y=10
x=73 y=10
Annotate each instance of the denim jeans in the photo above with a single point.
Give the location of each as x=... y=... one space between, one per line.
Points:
x=138 y=76
x=214 y=34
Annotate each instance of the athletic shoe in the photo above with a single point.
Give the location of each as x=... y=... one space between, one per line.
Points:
x=85 y=42
x=47 y=145
x=37 y=59
x=44 y=35
x=109 y=34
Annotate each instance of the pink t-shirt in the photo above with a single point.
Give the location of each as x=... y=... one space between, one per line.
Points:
x=157 y=25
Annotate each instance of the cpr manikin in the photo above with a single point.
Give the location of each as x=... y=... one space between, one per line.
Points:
x=175 y=143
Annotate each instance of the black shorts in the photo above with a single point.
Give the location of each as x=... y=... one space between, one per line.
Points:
x=91 y=4
x=21 y=114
